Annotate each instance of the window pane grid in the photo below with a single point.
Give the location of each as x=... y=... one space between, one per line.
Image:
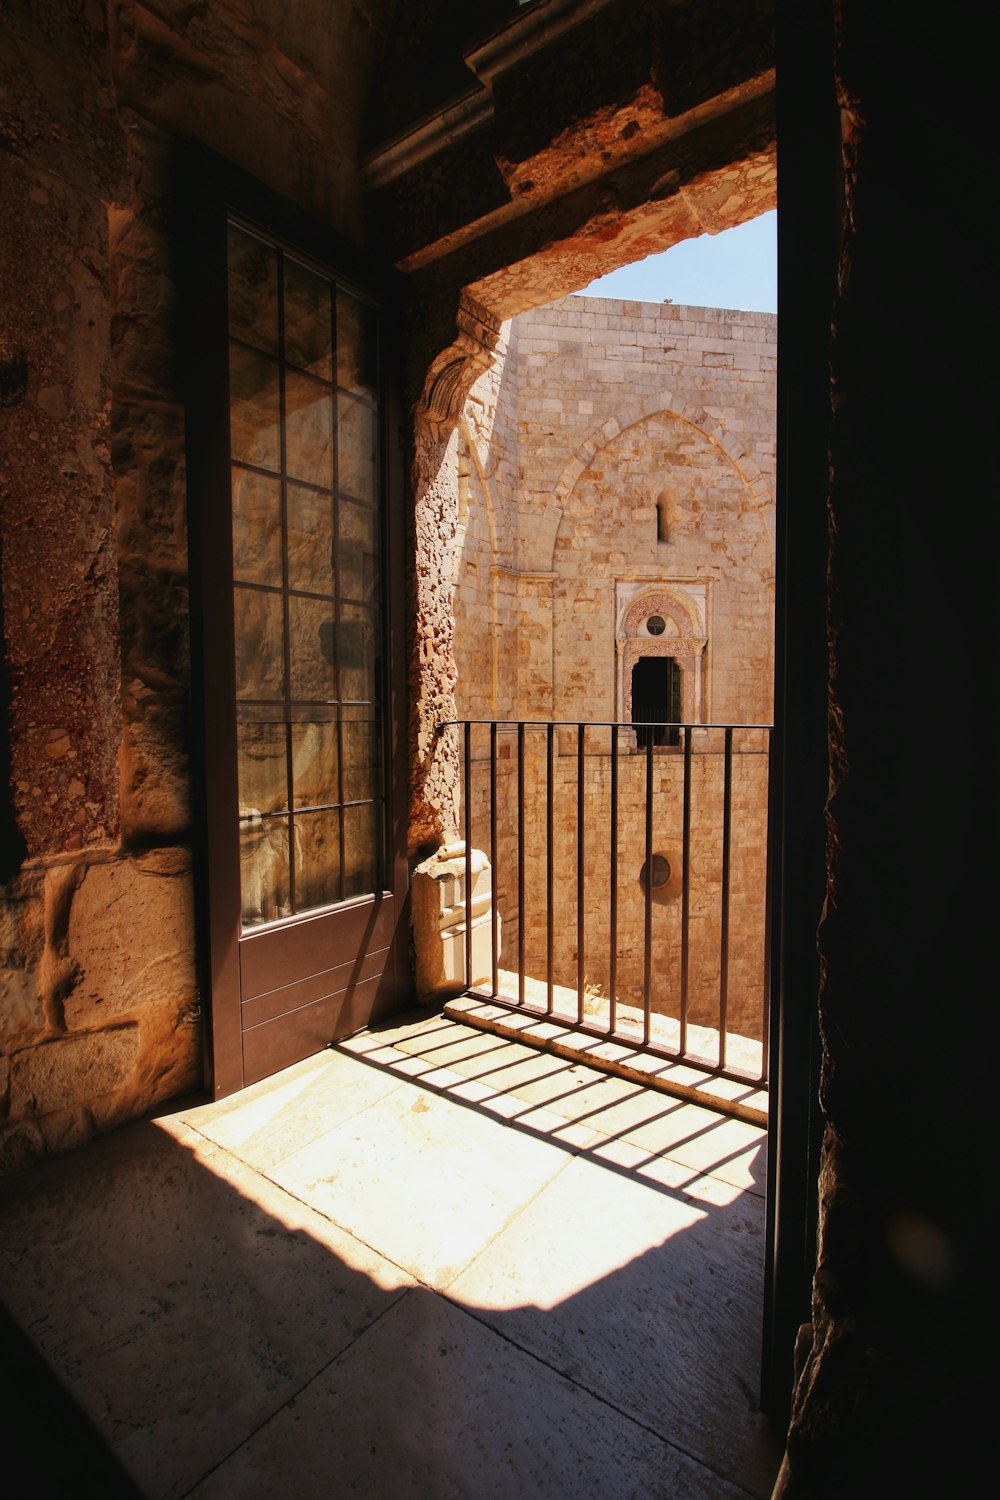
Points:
x=314 y=438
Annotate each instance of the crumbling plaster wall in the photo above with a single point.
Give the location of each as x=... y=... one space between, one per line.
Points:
x=99 y=1004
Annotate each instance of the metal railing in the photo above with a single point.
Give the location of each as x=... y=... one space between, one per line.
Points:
x=629 y=881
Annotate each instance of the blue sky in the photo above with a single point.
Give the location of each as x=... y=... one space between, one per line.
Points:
x=737 y=268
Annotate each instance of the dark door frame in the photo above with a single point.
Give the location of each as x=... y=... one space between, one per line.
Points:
x=206 y=190
x=809 y=170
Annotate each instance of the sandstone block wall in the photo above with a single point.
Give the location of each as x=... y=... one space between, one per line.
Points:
x=618 y=460
x=597 y=415
x=100 y=1012
x=529 y=910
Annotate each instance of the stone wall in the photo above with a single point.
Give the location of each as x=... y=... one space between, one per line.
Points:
x=100 y=1011
x=618 y=461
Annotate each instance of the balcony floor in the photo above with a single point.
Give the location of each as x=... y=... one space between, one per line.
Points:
x=426 y=1263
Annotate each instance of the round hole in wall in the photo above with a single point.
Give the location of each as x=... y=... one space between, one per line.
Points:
x=656 y=624
x=661 y=872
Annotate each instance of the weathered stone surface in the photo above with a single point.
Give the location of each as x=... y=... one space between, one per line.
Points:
x=63 y=1129
x=62 y=163
x=20 y=1003
x=131 y=936
x=21 y=1143
x=618 y=461
x=443 y=913
x=71 y=1070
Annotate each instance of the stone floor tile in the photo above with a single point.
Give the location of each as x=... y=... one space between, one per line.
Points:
x=421 y=1027
x=431 y=1405
x=688 y=1133
x=646 y=1298
x=664 y=1172
x=270 y=1123
x=730 y=1149
x=287 y=1078
x=427 y=1181
x=177 y=1310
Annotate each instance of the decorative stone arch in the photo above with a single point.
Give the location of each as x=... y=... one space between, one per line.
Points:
x=685 y=643
x=757 y=489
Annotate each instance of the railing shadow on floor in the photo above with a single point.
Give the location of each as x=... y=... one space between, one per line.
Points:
x=628 y=896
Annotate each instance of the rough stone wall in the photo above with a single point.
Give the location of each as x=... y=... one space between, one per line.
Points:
x=620 y=460
x=99 y=1005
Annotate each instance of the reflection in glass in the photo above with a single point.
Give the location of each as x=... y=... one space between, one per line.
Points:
x=310 y=532
x=361 y=760
x=265 y=879
x=356 y=448
x=260 y=655
x=307 y=320
x=261 y=759
x=314 y=763
x=311 y=649
x=361 y=871
x=308 y=430
x=357 y=553
x=307 y=614
x=256 y=528
x=317 y=858
x=356 y=644
x=254 y=409
x=253 y=290
x=356 y=364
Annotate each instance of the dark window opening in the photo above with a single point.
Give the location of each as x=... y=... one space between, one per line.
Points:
x=663 y=517
x=656 y=697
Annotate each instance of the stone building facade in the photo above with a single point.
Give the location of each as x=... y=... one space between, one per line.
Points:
x=616 y=493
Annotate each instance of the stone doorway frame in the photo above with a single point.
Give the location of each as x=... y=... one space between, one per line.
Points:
x=633 y=641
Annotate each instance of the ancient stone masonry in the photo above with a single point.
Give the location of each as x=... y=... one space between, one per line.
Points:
x=616 y=506
x=100 y=1014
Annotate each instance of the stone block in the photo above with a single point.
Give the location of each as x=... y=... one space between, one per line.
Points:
x=20 y=1002
x=21 y=1143
x=443 y=913
x=131 y=935
x=71 y=1070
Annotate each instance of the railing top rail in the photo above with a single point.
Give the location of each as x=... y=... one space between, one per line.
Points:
x=589 y=724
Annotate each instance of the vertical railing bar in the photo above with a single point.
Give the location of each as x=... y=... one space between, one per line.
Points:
x=520 y=864
x=727 y=857
x=494 y=916
x=685 y=889
x=613 y=889
x=580 y=849
x=647 y=961
x=549 y=881
x=467 y=794
x=727 y=829
x=766 y=1019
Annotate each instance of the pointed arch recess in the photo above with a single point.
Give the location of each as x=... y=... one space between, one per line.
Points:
x=756 y=485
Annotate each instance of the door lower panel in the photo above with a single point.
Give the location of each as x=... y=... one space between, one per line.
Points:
x=288 y=1038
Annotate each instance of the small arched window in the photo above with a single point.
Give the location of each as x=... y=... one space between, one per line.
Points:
x=663 y=517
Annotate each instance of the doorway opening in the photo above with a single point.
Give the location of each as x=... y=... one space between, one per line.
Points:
x=583 y=645
x=656 y=701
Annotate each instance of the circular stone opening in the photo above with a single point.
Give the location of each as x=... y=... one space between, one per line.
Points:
x=661 y=872
x=656 y=624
